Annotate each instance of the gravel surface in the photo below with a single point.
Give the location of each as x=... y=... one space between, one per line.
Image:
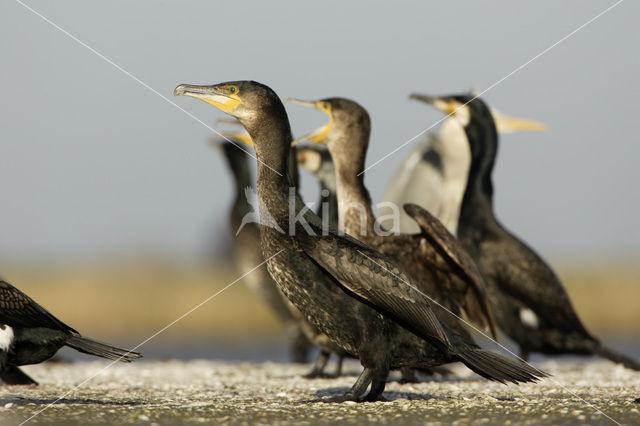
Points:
x=203 y=391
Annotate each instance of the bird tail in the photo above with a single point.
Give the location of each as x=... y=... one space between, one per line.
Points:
x=497 y=367
x=92 y=347
x=617 y=357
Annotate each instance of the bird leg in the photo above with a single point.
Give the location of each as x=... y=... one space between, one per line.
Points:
x=377 y=387
x=299 y=347
x=360 y=386
x=356 y=391
x=319 y=366
x=338 y=371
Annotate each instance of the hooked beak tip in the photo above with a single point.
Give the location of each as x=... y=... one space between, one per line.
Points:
x=179 y=91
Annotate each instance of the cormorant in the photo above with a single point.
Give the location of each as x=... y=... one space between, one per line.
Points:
x=434 y=175
x=247 y=253
x=357 y=297
x=530 y=303
x=317 y=160
x=29 y=334
x=433 y=258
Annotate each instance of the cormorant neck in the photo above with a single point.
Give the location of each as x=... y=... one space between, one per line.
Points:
x=476 y=211
x=272 y=141
x=271 y=135
x=354 y=201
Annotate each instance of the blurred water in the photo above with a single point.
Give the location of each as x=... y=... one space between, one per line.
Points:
x=276 y=349
x=262 y=349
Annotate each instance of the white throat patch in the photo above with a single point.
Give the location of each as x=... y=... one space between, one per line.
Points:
x=463 y=115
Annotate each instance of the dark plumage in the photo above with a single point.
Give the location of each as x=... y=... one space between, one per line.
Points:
x=433 y=258
x=531 y=305
x=247 y=253
x=29 y=334
x=357 y=297
x=317 y=160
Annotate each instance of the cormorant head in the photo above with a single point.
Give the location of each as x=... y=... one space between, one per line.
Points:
x=309 y=159
x=345 y=118
x=313 y=158
x=248 y=101
x=459 y=107
x=473 y=115
x=464 y=108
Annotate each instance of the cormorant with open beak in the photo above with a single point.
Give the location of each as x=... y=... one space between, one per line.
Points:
x=530 y=303
x=433 y=258
x=357 y=297
x=29 y=334
x=434 y=174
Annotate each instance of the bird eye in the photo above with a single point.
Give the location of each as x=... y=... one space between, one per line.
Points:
x=326 y=105
x=232 y=90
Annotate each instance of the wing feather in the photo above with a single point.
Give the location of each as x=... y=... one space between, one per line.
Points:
x=376 y=279
x=475 y=301
x=522 y=274
x=19 y=310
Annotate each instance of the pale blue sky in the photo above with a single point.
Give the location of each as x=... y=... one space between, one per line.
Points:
x=93 y=163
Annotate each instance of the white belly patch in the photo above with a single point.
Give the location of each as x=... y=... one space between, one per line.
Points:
x=529 y=318
x=6 y=337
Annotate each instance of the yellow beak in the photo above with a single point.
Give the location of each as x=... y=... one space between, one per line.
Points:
x=239 y=136
x=507 y=124
x=320 y=134
x=211 y=95
x=504 y=123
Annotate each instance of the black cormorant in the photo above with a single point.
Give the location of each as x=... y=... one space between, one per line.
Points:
x=357 y=297
x=433 y=257
x=434 y=175
x=531 y=305
x=29 y=334
x=317 y=160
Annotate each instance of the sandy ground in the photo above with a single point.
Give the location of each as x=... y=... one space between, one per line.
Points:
x=202 y=391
